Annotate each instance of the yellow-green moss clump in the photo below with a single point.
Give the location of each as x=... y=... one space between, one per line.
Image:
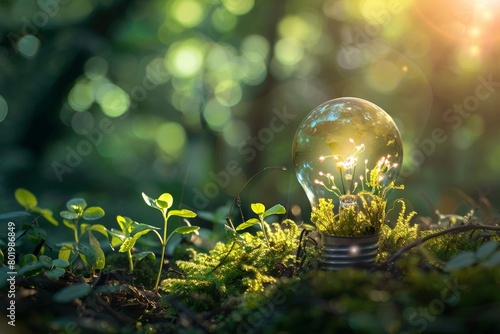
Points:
x=242 y=265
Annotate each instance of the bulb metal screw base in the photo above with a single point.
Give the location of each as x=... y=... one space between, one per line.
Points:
x=341 y=252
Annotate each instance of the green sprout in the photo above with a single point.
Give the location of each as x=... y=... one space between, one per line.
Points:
x=130 y=232
x=91 y=254
x=260 y=210
x=164 y=203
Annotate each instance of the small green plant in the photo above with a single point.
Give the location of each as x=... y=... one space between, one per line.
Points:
x=92 y=253
x=52 y=268
x=130 y=232
x=260 y=210
x=164 y=203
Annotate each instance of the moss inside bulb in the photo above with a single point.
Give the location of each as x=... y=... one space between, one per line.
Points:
x=346 y=146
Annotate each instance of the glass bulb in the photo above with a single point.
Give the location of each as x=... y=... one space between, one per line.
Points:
x=339 y=144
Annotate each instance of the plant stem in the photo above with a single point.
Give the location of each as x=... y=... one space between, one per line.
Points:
x=76 y=232
x=130 y=261
x=263 y=227
x=163 y=247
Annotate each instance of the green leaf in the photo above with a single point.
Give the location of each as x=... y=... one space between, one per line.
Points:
x=181 y=213
x=247 y=224
x=69 y=293
x=60 y=263
x=462 y=260
x=47 y=214
x=93 y=213
x=138 y=227
x=13 y=215
x=68 y=253
x=493 y=260
x=2 y=258
x=83 y=228
x=30 y=269
x=99 y=228
x=69 y=224
x=258 y=208
x=127 y=245
x=186 y=229
x=125 y=224
x=116 y=241
x=165 y=201
x=486 y=249
x=69 y=215
x=88 y=254
x=100 y=260
x=55 y=273
x=76 y=204
x=278 y=209
x=26 y=259
x=150 y=201
x=25 y=198
x=45 y=260
x=142 y=255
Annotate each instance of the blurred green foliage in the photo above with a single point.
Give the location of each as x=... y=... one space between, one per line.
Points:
x=106 y=98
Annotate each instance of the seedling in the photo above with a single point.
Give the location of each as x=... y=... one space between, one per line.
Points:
x=164 y=203
x=130 y=232
x=260 y=210
x=93 y=255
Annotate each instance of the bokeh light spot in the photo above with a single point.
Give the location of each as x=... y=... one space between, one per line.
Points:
x=113 y=100
x=294 y=27
x=185 y=59
x=216 y=115
x=171 y=138
x=228 y=93
x=188 y=13
x=4 y=108
x=223 y=20
x=238 y=7
x=28 y=46
x=96 y=67
x=255 y=44
x=289 y=51
x=81 y=96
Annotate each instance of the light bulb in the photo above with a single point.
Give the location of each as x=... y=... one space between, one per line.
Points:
x=337 y=146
